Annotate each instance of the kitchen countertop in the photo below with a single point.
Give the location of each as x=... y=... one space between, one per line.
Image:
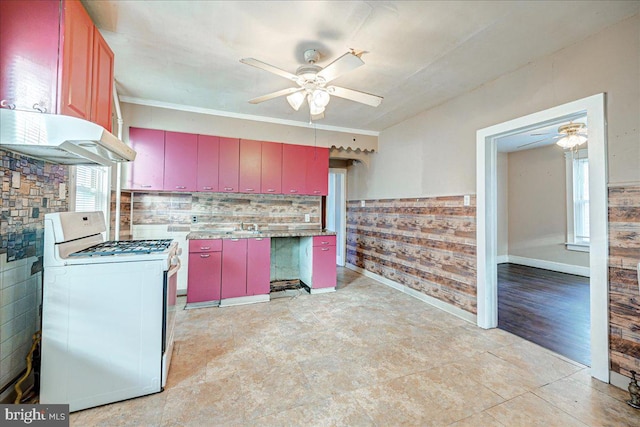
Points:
x=217 y=234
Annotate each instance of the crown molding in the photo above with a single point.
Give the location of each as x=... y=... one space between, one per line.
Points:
x=209 y=111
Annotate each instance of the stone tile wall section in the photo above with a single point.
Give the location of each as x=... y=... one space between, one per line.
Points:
x=427 y=244
x=624 y=296
x=216 y=211
x=125 y=216
x=30 y=189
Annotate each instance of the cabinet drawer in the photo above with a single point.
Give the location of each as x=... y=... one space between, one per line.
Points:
x=209 y=245
x=324 y=240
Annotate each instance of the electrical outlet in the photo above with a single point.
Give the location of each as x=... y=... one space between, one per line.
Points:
x=362 y=203
x=307 y=218
x=467 y=200
x=194 y=219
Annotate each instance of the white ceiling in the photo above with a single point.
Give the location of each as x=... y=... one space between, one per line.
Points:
x=537 y=137
x=421 y=53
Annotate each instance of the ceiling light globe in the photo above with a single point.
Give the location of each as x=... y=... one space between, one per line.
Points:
x=295 y=100
x=321 y=98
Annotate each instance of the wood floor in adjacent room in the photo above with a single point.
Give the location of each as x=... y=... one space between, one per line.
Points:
x=548 y=308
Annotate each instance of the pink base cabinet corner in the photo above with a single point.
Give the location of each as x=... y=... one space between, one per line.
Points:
x=318 y=263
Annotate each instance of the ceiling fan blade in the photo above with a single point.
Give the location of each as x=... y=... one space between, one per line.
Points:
x=317 y=116
x=274 y=95
x=344 y=64
x=355 y=95
x=269 y=68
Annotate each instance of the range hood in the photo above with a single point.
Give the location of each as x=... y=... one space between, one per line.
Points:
x=60 y=139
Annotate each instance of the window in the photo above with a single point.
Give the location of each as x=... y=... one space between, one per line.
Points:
x=577 y=200
x=92 y=189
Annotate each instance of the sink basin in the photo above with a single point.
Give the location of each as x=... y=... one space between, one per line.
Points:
x=244 y=233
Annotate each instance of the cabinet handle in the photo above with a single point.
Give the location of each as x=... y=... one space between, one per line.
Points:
x=324 y=249
x=180 y=187
x=234 y=240
x=324 y=242
x=205 y=248
x=293 y=191
x=259 y=238
x=6 y=104
x=205 y=255
x=271 y=190
x=207 y=188
x=228 y=188
x=316 y=191
x=249 y=189
x=40 y=108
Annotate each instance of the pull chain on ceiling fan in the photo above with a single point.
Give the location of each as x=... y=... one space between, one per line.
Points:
x=312 y=83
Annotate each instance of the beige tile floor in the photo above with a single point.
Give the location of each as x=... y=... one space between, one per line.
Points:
x=366 y=355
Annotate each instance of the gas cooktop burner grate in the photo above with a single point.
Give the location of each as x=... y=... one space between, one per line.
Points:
x=122 y=247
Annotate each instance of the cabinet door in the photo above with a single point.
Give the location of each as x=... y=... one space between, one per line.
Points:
x=250 y=166
x=234 y=268
x=77 y=48
x=271 y=181
x=29 y=36
x=180 y=161
x=317 y=171
x=204 y=277
x=229 y=165
x=259 y=269
x=147 y=170
x=324 y=267
x=294 y=164
x=208 y=158
x=102 y=82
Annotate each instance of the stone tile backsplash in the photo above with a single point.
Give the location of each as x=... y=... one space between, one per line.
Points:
x=30 y=189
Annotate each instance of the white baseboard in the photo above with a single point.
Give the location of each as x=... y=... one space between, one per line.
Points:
x=314 y=291
x=444 y=306
x=617 y=380
x=228 y=302
x=502 y=259
x=547 y=265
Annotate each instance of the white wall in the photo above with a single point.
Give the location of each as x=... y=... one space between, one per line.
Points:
x=433 y=153
x=537 y=206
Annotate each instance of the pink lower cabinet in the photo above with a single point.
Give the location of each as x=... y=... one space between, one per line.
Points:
x=318 y=263
x=259 y=266
x=205 y=266
x=245 y=271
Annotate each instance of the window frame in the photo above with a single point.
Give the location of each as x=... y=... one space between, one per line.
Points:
x=570 y=156
x=106 y=184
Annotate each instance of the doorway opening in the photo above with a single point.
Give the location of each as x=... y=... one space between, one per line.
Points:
x=486 y=172
x=337 y=211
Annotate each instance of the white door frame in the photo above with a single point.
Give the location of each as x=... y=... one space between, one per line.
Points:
x=341 y=204
x=486 y=177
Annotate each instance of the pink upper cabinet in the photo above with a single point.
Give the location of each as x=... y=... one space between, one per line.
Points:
x=229 y=165
x=180 y=161
x=271 y=168
x=317 y=171
x=208 y=158
x=250 y=166
x=101 y=82
x=294 y=165
x=146 y=172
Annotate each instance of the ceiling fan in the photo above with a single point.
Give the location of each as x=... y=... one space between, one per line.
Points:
x=569 y=135
x=312 y=81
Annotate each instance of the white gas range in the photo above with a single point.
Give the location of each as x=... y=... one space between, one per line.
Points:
x=108 y=313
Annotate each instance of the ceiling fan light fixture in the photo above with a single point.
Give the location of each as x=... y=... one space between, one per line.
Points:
x=320 y=97
x=571 y=141
x=314 y=109
x=295 y=100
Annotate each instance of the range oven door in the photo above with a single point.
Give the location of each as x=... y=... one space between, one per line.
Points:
x=169 y=300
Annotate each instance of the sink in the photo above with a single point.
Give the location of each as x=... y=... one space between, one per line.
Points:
x=244 y=233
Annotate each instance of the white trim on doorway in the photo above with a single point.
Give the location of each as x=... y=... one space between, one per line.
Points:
x=337 y=202
x=486 y=177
